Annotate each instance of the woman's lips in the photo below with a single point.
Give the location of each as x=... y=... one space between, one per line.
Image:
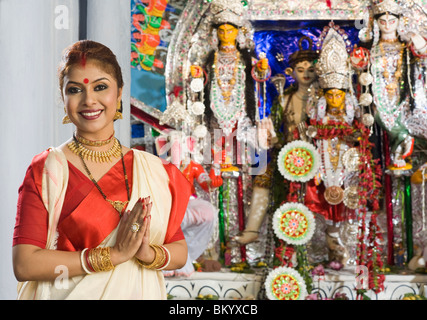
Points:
x=91 y=114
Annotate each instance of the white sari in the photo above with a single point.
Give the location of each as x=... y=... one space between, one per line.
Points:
x=128 y=280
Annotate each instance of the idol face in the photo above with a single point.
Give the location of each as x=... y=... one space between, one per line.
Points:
x=91 y=97
x=227 y=34
x=335 y=98
x=388 y=24
x=304 y=73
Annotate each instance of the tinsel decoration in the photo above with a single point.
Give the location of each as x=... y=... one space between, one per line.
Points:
x=388 y=201
x=408 y=218
x=221 y=225
x=241 y=212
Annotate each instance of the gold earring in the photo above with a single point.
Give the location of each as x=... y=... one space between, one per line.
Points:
x=66 y=119
x=118 y=114
x=289 y=71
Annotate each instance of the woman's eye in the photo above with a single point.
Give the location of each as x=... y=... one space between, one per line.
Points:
x=73 y=90
x=100 y=87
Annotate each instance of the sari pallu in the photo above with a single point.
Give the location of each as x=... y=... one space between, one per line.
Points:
x=128 y=280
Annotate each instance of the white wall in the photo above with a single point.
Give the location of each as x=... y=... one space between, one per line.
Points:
x=30 y=107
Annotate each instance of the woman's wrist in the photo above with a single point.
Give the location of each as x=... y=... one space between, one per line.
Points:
x=148 y=257
x=116 y=257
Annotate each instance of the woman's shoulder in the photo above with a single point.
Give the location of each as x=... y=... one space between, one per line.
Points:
x=152 y=158
x=145 y=154
x=40 y=159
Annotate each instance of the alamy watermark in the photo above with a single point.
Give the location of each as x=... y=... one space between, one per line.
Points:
x=62 y=17
x=216 y=149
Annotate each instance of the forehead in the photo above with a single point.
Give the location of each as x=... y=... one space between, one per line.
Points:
x=304 y=64
x=90 y=70
x=387 y=17
x=226 y=27
x=334 y=91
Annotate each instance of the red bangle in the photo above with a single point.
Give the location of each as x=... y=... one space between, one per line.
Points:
x=165 y=251
x=417 y=54
x=258 y=79
x=87 y=261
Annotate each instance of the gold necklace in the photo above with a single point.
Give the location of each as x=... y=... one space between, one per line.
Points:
x=227 y=93
x=96 y=156
x=334 y=158
x=394 y=40
x=92 y=143
x=394 y=85
x=118 y=205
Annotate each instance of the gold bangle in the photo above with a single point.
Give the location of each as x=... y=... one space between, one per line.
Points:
x=92 y=260
x=100 y=259
x=159 y=258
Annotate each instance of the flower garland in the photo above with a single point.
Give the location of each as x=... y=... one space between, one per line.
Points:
x=285 y=283
x=369 y=248
x=298 y=161
x=294 y=223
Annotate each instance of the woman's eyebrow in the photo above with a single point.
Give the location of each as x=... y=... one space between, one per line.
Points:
x=100 y=79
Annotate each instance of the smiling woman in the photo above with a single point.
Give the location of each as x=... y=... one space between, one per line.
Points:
x=109 y=214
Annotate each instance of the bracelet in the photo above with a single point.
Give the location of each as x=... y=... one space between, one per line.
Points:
x=167 y=254
x=418 y=55
x=263 y=79
x=161 y=258
x=100 y=260
x=83 y=261
x=87 y=261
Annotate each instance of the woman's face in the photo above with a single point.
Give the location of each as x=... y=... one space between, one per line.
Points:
x=91 y=98
x=304 y=73
x=388 y=23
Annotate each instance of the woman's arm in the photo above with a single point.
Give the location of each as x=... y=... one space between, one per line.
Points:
x=31 y=263
x=178 y=254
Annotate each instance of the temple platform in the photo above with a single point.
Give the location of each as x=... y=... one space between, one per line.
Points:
x=227 y=285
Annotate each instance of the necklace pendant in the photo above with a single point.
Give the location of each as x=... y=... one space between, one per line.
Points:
x=334 y=195
x=118 y=205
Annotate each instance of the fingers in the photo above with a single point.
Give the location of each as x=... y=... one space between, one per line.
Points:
x=145 y=226
x=139 y=216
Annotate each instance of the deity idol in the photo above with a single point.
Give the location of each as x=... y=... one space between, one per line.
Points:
x=229 y=93
x=337 y=110
x=223 y=80
x=286 y=123
x=398 y=81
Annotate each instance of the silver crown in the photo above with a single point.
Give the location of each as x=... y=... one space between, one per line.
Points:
x=383 y=6
x=231 y=11
x=332 y=66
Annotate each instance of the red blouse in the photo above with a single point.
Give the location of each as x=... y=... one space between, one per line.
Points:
x=32 y=217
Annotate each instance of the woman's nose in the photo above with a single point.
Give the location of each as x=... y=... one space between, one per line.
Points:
x=89 y=98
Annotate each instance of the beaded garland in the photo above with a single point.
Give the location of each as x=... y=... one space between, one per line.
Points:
x=387 y=105
x=228 y=105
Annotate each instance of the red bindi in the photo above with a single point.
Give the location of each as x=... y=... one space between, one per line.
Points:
x=86 y=80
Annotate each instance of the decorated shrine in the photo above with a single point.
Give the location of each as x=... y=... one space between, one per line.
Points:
x=302 y=126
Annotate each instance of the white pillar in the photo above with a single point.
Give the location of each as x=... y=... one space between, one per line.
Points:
x=109 y=22
x=31 y=44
